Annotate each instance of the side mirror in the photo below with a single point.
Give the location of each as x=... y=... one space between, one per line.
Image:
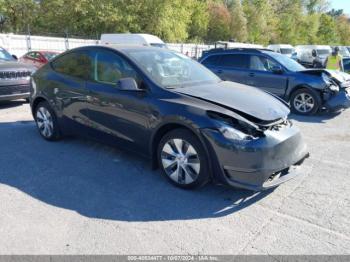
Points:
x=314 y=53
x=277 y=70
x=15 y=57
x=128 y=84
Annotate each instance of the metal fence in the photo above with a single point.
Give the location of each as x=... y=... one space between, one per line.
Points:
x=20 y=44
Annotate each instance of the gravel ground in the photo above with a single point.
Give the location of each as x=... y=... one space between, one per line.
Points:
x=80 y=197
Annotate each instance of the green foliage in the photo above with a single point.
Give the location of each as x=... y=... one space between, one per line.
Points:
x=219 y=22
x=256 y=21
x=327 y=30
x=238 y=26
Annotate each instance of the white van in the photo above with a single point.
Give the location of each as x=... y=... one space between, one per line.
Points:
x=287 y=50
x=227 y=45
x=313 y=55
x=132 y=39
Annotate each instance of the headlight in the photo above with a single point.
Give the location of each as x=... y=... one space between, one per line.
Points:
x=334 y=88
x=234 y=134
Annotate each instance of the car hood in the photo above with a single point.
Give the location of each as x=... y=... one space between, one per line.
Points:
x=339 y=77
x=14 y=65
x=247 y=101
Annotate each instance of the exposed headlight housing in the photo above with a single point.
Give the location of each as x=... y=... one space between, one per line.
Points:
x=234 y=129
x=334 y=88
x=234 y=134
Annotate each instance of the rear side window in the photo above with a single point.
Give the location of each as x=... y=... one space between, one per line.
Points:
x=239 y=61
x=77 y=64
x=33 y=55
x=212 y=60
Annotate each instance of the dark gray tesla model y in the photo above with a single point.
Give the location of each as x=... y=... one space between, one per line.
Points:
x=171 y=109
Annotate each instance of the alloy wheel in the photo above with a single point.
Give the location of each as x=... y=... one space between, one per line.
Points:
x=44 y=122
x=180 y=161
x=304 y=103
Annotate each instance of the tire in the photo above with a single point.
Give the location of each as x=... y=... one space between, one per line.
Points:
x=46 y=122
x=183 y=160
x=305 y=101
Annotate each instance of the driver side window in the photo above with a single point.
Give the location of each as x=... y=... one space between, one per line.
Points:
x=261 y=63
x=109 y=68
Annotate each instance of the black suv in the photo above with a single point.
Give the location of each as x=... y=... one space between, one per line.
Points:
x=14 y=77
x=307 y=90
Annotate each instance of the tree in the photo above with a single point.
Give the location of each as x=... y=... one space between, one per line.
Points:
x=238 y=25
x=261 y=21
x=219 y=21
x=19 y=14
x=198 y=27
x=289 y=16
x=336 y=13
x=316 y=6
x=327 y=30
x=343 y=29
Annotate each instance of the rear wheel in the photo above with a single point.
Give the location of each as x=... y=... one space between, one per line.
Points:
x=183 y=159
x=46 y=122
x=305 y=101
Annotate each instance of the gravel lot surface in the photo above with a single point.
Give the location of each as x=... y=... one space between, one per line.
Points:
x=80 y=197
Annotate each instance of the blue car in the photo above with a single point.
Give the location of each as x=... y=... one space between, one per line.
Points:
x=307 y=90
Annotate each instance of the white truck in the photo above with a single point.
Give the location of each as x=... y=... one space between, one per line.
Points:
x=283 y=49
x=132 y=39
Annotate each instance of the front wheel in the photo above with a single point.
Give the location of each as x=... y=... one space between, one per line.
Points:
x=305 y=101
x=183 y=159
x=46 y=122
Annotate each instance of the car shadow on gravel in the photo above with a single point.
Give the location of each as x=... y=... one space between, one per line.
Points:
x=321 y=117
x=101 y=182
x=10 y=104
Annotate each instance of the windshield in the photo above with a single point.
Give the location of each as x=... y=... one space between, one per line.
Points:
x=170 y=69
x=4 y=55
x=323 y=52
x=49 y=56
x=287 y=62
x=344 y=52
x=287 y=51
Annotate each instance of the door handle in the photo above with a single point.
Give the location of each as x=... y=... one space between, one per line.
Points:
x=219 y=71
x=251 y=74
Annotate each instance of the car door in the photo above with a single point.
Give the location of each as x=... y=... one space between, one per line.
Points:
x=267 y=74
x=68 y=84
x=115 y=113
x=232 y=67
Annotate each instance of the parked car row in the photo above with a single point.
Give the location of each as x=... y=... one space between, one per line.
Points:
x=228 y=124
x=307 y=90
x=15 y=73
x=38 y=58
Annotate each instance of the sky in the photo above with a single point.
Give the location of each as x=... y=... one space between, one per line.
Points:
x=341 y=4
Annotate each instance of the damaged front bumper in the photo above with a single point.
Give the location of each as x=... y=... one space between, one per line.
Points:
x=339 y=101
x=259 y=164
